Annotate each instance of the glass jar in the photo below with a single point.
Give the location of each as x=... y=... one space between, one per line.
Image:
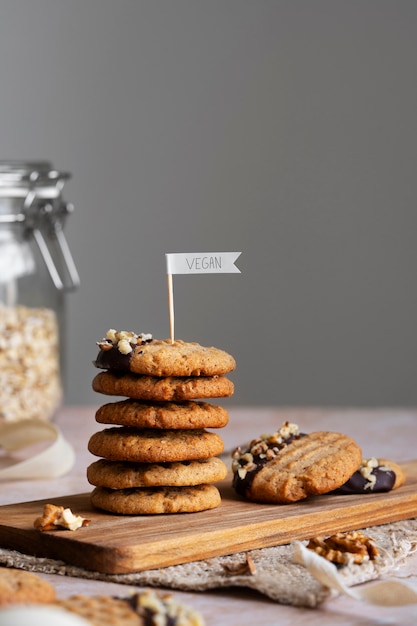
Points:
x=36 y=270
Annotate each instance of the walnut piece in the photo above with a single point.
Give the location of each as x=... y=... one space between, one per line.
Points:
x=240 y=569
x=123 y=340
x=55 y=517
x=162 y=608
x=344 y=548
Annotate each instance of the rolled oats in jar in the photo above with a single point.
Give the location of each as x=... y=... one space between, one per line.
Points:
x=36 y=271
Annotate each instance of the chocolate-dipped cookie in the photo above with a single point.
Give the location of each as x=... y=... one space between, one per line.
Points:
x=141 y=354
x=288 y=466
x=374 y=476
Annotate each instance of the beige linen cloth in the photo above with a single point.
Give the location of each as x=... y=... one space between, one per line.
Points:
x=273 y=572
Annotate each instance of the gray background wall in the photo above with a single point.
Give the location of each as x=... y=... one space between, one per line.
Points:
x=282 y=129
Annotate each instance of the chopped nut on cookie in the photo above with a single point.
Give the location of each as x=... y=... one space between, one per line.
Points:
x=262 y=449
x=373 y=476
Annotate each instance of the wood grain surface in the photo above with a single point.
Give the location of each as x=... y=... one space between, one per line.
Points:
x=121 y=544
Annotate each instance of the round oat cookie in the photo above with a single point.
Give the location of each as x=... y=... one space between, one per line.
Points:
x=171 y=388
x=312 y=464
x=124 y=475
x=154 y=446
x=164 y=358
x=187 y=415
x=156 y=500
x=138 y=609
x=101 y=610
x=21 y=587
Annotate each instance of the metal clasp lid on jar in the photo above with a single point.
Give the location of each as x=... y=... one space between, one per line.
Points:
x=31 y=196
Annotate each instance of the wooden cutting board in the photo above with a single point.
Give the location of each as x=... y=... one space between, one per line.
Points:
x=117 y=544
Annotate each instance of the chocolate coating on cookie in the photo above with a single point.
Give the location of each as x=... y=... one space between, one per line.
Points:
x=117 y=349
x=373 y=476
x=384 y=481
x=247 y=463
x=113 y=360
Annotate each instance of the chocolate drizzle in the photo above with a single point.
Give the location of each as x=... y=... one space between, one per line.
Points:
x=357 y=483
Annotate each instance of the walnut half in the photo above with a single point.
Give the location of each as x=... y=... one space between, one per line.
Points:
x=344 y=548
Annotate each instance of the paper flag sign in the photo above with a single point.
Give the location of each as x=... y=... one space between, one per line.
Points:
x=203 y=263
x=197 y=263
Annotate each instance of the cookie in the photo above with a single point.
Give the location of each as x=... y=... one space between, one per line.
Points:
x=140 y=354
x=154 y=446
x=124 y=475
x=21 y=587
x=187 y=415
x=102 y=610
x=374 y=476
x=156 y=500
x=162 y=389
x=139 y=609
x=283 y=469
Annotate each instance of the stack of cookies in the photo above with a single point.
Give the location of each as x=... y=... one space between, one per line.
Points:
x=157 y=456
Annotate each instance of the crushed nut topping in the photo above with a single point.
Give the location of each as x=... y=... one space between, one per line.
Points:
x=162 y=608
x=344 y=548
x=265 y=448
x=123 y=340
x=366 y=469
x=59 y=517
